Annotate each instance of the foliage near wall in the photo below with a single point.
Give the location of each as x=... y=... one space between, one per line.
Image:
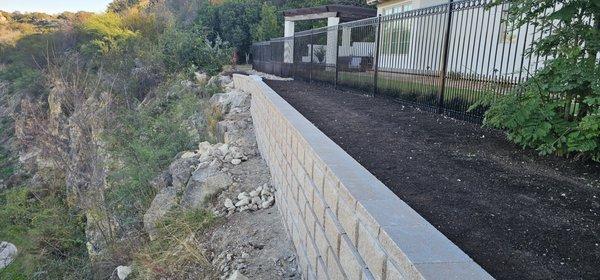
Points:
x=243 y=22
x=558 y=110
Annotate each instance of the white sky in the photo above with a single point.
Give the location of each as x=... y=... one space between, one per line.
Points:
x=53 y=6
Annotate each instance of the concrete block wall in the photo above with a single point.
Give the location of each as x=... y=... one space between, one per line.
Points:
x=344 y=223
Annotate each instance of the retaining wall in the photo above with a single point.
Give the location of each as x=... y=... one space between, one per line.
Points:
x=344 y=223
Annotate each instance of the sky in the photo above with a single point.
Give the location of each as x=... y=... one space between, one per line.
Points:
x=53 y=6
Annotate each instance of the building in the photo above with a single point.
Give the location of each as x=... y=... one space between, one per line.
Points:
x=481 y=41
x=408 y=38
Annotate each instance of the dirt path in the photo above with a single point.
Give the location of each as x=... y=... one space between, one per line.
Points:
x=518 y=215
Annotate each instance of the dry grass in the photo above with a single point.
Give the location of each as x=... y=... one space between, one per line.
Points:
x=176 y=252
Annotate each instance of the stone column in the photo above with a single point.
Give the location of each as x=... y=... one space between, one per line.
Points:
x=332 y=37
x=345 y=48
x=288 y=46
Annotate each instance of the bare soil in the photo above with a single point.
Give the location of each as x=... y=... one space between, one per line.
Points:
x=259 y=234
x=517 y=214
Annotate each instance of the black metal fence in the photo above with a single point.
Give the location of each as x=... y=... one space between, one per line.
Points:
x=444 y=57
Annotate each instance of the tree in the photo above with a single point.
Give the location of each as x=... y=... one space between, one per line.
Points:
x=558 y=109
x=118 y=6
x=268 y=27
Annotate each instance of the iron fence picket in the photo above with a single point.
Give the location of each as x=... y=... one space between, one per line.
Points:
x=445 y=57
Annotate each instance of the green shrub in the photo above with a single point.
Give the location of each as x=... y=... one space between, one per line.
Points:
x=104 y=32
x=144 y=143
x=49 y=236
x=185 y=48
x=558 y=109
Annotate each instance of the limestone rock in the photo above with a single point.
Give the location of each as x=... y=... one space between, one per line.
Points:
x=188 y=154
x=123 y=272
x=8 y=252
x=198 y=191
x=204 y=171
x=237 y=275
x=162 y=181
x=180 y=171
x=228 y=203
x=242 y=195
x=204 y=147
x=161 y=204
x=243 y=202
x=225 y=80
x=226 y=101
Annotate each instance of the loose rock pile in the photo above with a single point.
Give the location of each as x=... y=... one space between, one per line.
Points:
x=246 y=242
x=260 y=198
x=227 y=262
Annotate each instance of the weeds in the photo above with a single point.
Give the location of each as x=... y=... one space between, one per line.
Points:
x=176 y=252
x=50 y=236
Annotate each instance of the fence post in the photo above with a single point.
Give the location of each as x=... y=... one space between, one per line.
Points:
x=337 y=53
x=310 y=66
x=294 y=55
x=444 y=62
x=376 y=58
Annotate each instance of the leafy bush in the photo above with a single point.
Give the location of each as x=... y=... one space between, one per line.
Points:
x=104 y=32
x=558 y=109
x=185 y=48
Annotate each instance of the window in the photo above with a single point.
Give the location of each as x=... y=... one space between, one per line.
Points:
x=396 y=33
x=398 y=8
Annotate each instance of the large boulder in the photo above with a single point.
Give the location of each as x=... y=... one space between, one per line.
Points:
x=197 y=192
x=181 y=170
x=162 y=203
x=8 y=252
x=227 y=101
x=205 y=181
x=162 y=181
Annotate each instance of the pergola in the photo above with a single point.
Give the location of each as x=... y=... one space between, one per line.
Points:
x=335 y=14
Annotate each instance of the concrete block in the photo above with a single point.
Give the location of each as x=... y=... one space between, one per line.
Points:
x=308 y=161
x=318 y=176
x=330 y=191
x=333 y=231
x=377 y=213
x=367 y=275
x=310 y=219
x=351 y=262
x=311 y=252
x=371 y=252
x=334 y=268
x=321 y=240
x=322 y=269
x=319 y=206
x=347 y=217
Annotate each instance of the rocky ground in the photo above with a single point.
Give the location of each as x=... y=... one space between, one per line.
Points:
x=233 y=181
